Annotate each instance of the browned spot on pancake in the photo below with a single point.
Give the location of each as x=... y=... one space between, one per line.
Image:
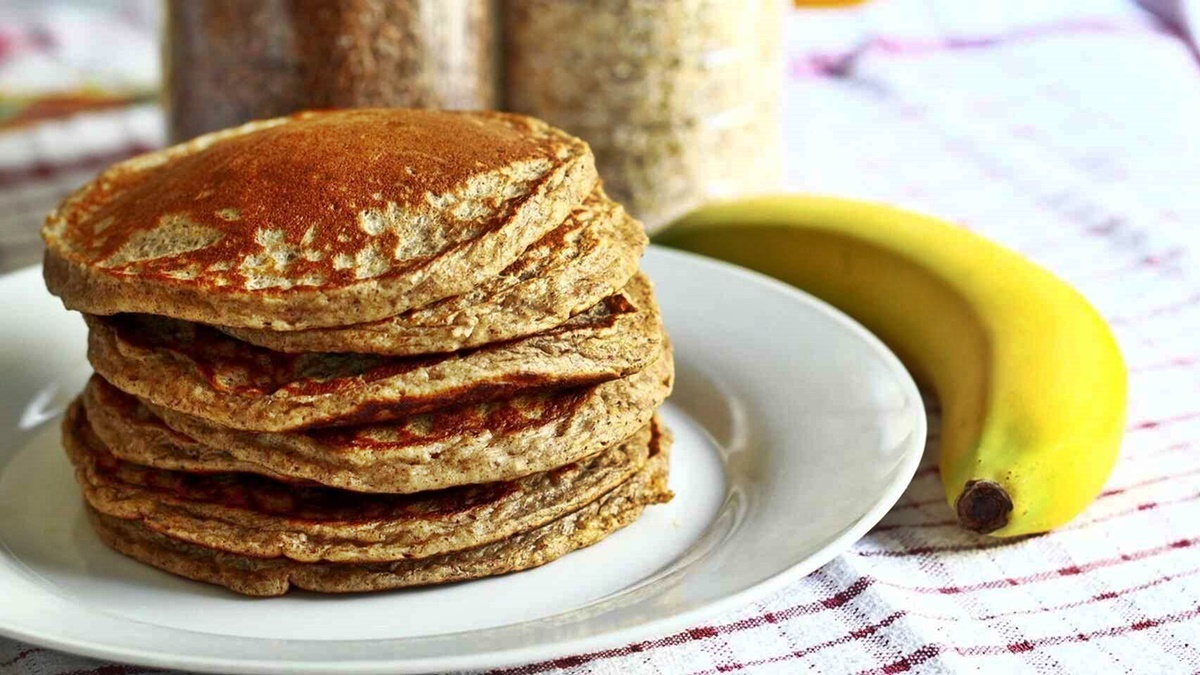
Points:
x=330 y=373
x=550 y=242
x=518 y=382
x=499 y=417
x=617 y=305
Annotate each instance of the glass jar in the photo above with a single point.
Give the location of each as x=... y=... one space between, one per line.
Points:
x=231 y=61
x=679 y=99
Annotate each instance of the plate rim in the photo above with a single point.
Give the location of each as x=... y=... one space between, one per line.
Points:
x=543 y=651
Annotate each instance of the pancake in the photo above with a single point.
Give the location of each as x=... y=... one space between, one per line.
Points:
x=275 y=576
x=200 y=371
x=476 y=443
x=263 y=518
x=591 y=256
x=314 y=220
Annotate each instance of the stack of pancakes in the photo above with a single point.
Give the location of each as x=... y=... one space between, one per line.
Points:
x=359 y=350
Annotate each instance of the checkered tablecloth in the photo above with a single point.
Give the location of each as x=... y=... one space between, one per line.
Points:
x=1071 y=136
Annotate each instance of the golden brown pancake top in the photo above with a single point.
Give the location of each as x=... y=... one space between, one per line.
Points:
x=315 y=220
x=297 y=192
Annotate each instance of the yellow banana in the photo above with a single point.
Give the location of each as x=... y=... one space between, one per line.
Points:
x=1031 y=382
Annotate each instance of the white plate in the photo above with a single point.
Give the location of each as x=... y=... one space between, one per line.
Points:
x=796 y=430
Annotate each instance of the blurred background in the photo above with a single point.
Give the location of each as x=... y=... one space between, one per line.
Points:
x=1080 y=111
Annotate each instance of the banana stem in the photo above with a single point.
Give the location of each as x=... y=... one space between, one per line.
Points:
x=984 y=506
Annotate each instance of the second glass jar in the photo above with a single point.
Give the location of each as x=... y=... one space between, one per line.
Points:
x=231 y=61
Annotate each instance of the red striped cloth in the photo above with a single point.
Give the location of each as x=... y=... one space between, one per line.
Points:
x=1072 y=139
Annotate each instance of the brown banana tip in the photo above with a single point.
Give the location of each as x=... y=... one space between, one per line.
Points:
x=983 y=506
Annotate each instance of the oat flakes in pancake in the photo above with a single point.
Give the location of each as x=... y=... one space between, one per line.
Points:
x=477 y=443
x=275 y=576
x=259 y=517
x=586 y=259
x=317 y=219
x=200 y=371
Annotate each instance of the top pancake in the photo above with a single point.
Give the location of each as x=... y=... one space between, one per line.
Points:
x=315 y=220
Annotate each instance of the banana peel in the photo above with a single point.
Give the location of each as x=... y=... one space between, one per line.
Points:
x=1031 y=382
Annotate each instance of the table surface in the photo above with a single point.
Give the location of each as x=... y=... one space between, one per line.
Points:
x=1067 y=133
